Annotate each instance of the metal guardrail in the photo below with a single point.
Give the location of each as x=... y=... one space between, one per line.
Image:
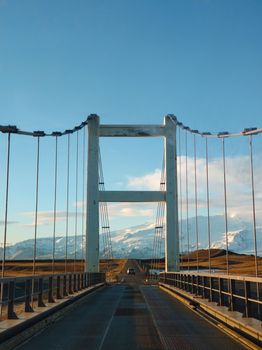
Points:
x=238 y=293
x=31 y=291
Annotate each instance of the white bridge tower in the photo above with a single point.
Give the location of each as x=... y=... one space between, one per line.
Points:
x=169 y=196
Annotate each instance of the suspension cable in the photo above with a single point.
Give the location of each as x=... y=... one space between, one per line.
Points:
x=83 y=193
x=67 y=200
x=187 y=219
x=254 y=220
x=159 y=226
x=54 y=216
x=253 y=203
x=76 y=198
x=36 y=202
x=225 y=202
x=104 y=218
x=180 y=199
x=12 y=129
x=247 y=131
x=105 y=227
x=196 y=203
x=6 y=203
x=161 y=229
x=208 y=209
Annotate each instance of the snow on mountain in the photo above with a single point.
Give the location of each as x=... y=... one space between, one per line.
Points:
x=137 y=241
x=44 y=248
x=241 y=241
x=134 y=242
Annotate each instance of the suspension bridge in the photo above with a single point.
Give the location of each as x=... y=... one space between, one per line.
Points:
x=195 y=292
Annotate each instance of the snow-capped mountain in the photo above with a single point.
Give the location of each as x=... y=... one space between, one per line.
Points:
x=134 y=242
x=137 y=241
x=44 y=248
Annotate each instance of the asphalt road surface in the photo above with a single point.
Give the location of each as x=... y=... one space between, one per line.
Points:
x=131 y=315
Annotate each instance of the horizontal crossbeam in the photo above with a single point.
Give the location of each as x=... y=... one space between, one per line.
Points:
x=131 y=130
x=132 y=196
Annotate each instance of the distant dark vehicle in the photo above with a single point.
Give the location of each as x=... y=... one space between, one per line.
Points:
x=131 y=271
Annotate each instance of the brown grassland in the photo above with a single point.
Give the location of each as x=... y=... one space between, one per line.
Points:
x=240 y=264
x=15 y=268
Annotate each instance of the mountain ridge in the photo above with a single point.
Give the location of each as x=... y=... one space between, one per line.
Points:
x=137 y=241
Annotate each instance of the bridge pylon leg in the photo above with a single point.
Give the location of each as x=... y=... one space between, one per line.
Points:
x=172 y=237
x=92 y=217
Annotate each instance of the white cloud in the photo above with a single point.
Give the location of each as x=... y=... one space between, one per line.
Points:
x=47 y=217
x=2 y=223
x=238 y=184
x=149 y=181
x=130 y=210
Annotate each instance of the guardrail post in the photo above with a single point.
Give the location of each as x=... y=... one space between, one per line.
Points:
x=192 y=284
x=88 y=279
x=197 y=285
x=40 y=302
x=179 y=281
x=187 y=283
x=220 y=298
x=175 y=280
x=64 y=286
x=11 y=296
x=247 y=311
x=50 y=290
x=70 y=290
x=84 y=280
x=75 y=286
x=210 y=289
x=78 y=282
x=204 y=287
x=58 y=286
x=28 y=295
x=232 y=292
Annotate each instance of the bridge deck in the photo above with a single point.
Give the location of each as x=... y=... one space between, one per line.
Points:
x=127 y=316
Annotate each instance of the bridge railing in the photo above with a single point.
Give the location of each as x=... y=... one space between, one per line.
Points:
x=23 y=294
x=238 y=293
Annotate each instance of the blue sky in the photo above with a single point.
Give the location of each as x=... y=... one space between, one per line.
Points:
x=129 y=62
